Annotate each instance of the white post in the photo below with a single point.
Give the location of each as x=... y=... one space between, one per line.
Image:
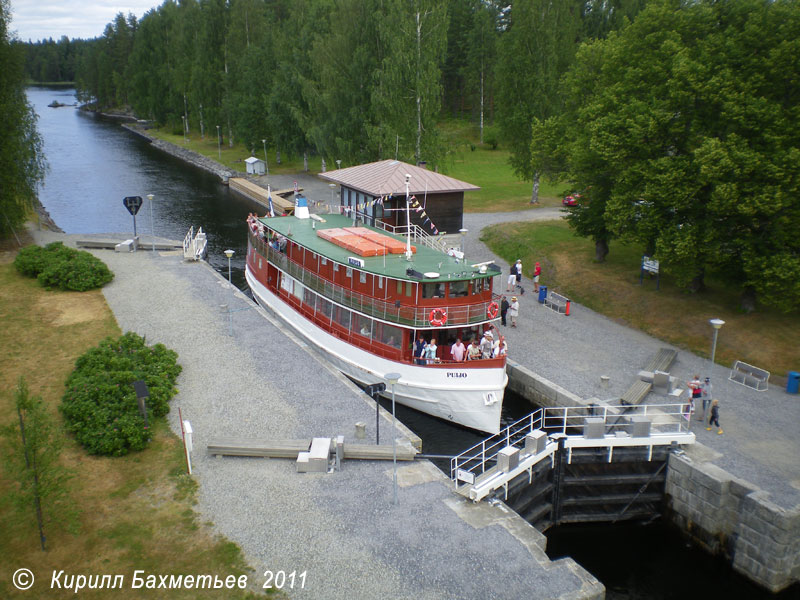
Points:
x=152 y=232
x=229 y=254
x=266 y=160
x=408 y=220
x=393 y=378
x=219 y=145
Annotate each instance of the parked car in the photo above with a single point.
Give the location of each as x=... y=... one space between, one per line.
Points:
x=571 y=200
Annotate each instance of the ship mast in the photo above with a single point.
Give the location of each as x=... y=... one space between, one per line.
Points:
x=408 y=220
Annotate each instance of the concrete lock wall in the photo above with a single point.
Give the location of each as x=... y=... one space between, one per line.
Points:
x=734 y=518
x=537 y=389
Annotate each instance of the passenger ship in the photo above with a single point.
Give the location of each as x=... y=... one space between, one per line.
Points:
x=363 y=295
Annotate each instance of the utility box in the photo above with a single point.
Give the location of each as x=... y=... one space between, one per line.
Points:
x=508 y=459
x=594 y=428
x=542 y=293
x=793 y=382
x=535 y=442
x=640 y=426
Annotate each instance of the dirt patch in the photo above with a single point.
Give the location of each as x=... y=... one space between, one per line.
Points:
x=70 y=308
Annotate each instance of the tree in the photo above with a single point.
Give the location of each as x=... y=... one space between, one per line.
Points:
x=42 y=482
x=22 y=163
x=481 y=56
x=536 y=51
x=687 y=127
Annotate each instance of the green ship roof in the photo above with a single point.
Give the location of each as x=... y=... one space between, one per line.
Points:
x=424 y=260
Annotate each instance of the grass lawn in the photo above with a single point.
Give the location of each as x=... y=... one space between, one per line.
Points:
x=767 y=339
x=136 y=510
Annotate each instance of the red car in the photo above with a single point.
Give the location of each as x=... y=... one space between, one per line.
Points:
x=571 y=200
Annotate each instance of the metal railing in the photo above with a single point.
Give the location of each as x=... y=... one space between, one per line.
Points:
x=410 y=316
x=667 y=420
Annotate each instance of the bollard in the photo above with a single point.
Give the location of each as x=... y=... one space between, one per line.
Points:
x=604 y=381
x=361 y=430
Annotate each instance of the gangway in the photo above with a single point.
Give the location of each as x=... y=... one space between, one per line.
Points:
x=195 y=245
x=490 y=465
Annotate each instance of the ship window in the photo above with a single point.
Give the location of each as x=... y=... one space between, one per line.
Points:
x=399 y=287
x=324 y=306
x=380 y=283
x=362 y=325
x=259 y=262
x=432 y=290
x=362 y=277
x=477 y=286
x=335 y=267
x=349 y=271
x=388 y=334
x=308 y=297
x=342 y=317
x=324 y=261
x=459 y=288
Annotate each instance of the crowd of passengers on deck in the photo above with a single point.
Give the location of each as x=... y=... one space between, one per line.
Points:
x=426 y=352
x=272 y=239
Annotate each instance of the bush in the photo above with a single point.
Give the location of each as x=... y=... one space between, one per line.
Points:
x=56 y=265
x=100 y=405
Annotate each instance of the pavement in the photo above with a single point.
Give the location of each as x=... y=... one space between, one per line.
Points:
x=245 y=375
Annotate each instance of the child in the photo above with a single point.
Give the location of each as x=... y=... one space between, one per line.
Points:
x=714 y=420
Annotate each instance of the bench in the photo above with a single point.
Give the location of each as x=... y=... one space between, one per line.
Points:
x=662 y=361
x=749 y=376
x=557 y=302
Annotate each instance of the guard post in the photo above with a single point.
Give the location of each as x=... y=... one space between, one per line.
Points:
x=374 y=392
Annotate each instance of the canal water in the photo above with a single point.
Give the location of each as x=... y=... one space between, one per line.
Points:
x=94 y=164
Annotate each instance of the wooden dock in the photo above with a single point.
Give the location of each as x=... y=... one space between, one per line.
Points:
x=260 y=195
x=291 y=448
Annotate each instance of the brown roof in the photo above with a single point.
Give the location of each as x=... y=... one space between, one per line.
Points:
x=387 y=177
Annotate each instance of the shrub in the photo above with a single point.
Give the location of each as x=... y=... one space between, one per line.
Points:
x=56 y=265
x=100 y=405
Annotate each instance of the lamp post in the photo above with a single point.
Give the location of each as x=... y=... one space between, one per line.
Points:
x=463 y=233
x=183 y=118
x=339 y=163
x=391 y=379
x=716 y=324
x=229 y=254
x=408 y=219
x=332 y=186
x=219 y=145
x=266 y=161
x=152 y=232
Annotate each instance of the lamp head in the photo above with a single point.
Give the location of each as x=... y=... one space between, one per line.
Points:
x=392 y=378
x=229 y=253
x=716 y=323
x=150 y=197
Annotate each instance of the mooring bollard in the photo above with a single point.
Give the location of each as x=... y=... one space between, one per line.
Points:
x=604 y=381
x=361 y=430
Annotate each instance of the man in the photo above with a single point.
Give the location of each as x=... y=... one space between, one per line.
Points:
x=537 y=270
x=458 y=351
x=419 y=350
x=487 y=345
x=503 y=310
x=518 y=276
x=474 y=351
x=512 y=278
x=513 y=311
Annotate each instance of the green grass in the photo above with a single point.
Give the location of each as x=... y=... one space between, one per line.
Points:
x=501 y=190
x=766 y=338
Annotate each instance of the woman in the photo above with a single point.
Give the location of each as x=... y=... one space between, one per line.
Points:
x=714 y=420
x=430 y=352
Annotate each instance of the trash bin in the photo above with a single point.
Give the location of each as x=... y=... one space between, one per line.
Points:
x=793 y=382
x=542 y=293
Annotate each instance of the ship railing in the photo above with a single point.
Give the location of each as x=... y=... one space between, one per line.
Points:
x=667 y=421
x=410 y=316
x=417 y=234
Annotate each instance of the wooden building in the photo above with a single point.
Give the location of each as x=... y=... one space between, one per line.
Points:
x=378 y=191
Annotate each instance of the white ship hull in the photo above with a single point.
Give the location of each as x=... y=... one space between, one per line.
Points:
x=470 y=396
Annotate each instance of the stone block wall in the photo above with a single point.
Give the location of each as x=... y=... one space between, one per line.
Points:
x=732 y=517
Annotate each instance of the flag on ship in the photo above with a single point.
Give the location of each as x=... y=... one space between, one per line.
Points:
x=269 y=199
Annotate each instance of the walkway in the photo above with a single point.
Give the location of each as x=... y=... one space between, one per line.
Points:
x=340 y=528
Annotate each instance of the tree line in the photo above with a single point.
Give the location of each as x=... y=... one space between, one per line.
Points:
x=676 y=120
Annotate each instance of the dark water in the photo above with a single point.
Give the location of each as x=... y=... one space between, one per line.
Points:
x=94 y=164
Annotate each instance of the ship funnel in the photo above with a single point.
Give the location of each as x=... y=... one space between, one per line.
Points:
x=301 y=207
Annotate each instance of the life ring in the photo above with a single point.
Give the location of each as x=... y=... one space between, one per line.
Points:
x=438 y=317
x=492 y=310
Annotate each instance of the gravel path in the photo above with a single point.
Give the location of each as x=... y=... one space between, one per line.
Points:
x=340 y=528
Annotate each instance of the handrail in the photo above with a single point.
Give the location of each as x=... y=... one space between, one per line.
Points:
x=668 y=420
x=409 y=316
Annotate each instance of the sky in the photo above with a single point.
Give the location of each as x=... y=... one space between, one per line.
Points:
x=41 y=19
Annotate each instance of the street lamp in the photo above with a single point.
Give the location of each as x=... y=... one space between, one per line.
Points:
x=229 y=254
x=152 y=231
x=183 y=118
x=339 y=163
x=463 y=233
x=219 y=144
x=716 y=324
x=266 y=161
x=391 y=379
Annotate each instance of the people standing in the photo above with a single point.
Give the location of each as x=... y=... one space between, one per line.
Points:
x=706 y=398
x=512 y=278
x=513 y=311
x=430 y=352
x=487 y=345
x=537 y=270
x=696 y=391
x=419 y=350
x=473 y=351
x=504 y=305
x=458 y=351
x=518 y=276
x=714 y=420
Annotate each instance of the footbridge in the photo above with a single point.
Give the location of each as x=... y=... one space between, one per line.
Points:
x=577 y=464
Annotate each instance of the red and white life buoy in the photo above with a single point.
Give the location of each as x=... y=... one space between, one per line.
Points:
x=438 y=317
x=492 y=310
